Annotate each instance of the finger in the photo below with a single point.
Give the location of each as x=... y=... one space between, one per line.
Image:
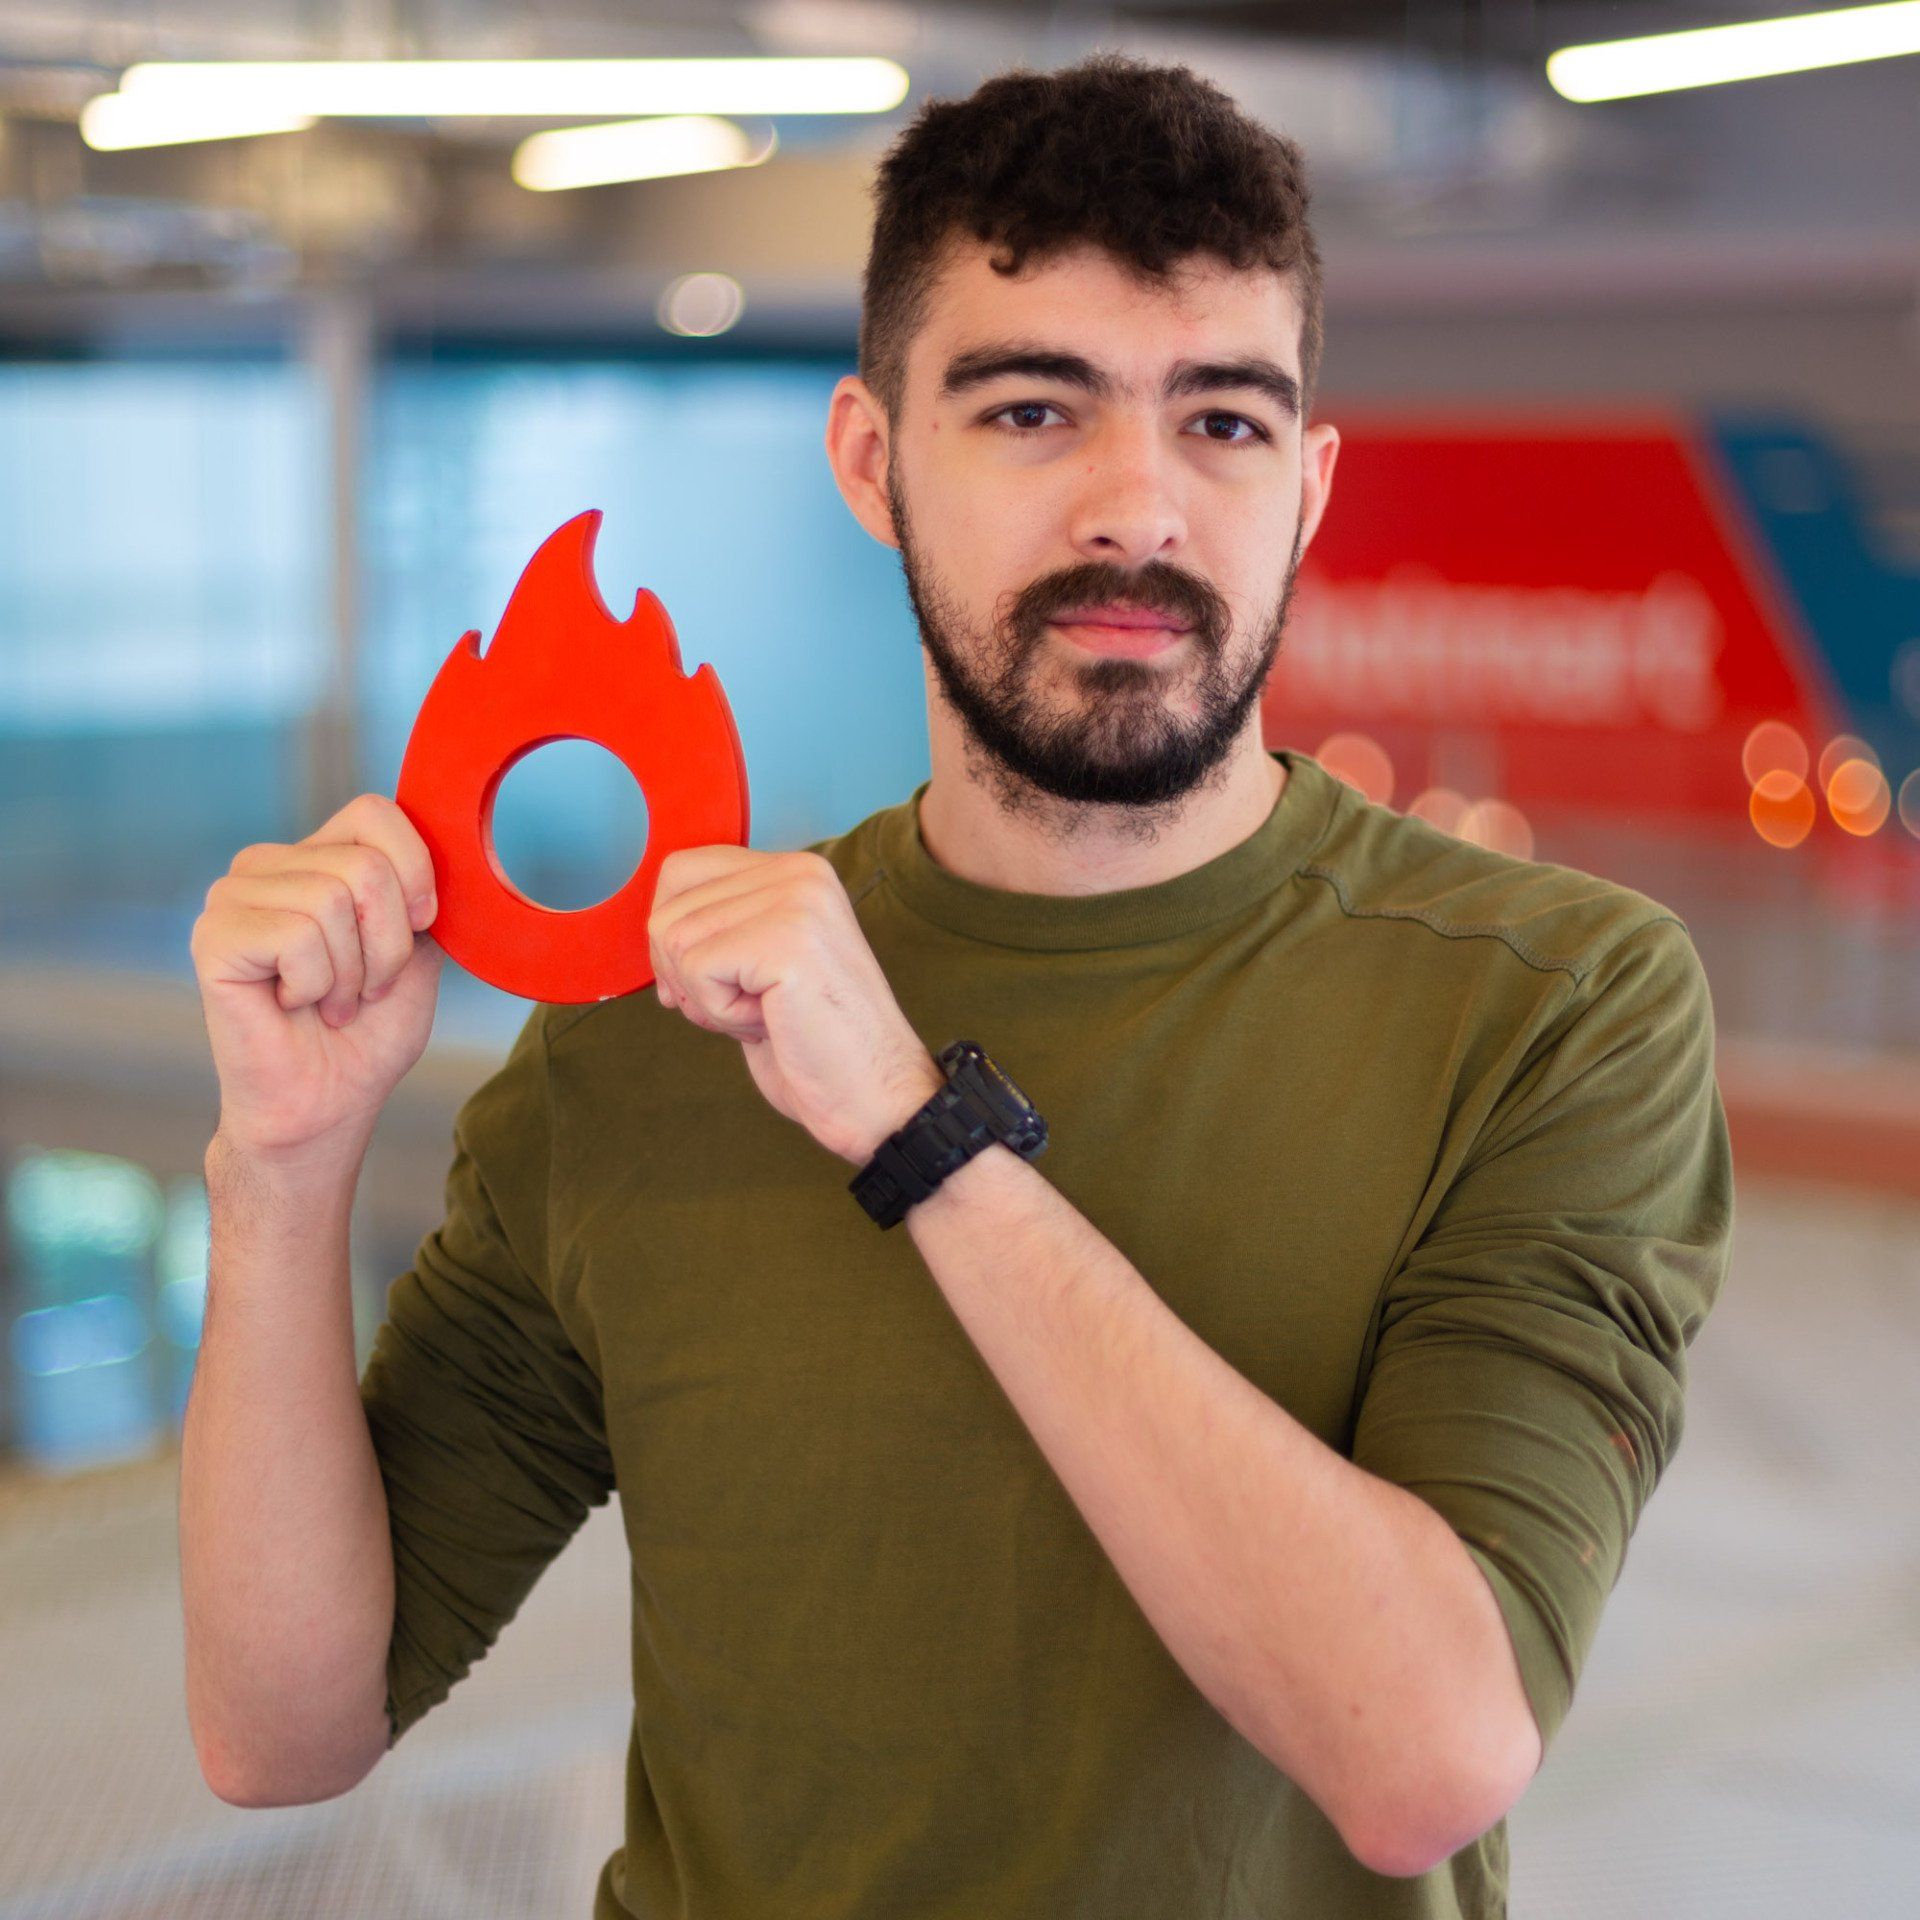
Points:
x=383 y=823
x=326 y=902
x=670 y=940
x=670 y=934
x=668 y=937
x=687 y=867
x=724 y=973
x=677 y=993
x=385 y=921
x=277 y=949
x=782 y=871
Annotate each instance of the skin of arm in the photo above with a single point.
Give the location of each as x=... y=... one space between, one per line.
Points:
x=1335 y=1620
x=286 y=1563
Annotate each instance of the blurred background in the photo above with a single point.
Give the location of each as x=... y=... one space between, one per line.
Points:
x=1622 y=571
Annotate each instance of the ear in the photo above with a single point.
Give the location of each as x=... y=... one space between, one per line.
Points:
x=1319 y=449
x=858 y=451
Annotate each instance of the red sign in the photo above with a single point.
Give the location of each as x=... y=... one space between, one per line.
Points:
x=1548 y=610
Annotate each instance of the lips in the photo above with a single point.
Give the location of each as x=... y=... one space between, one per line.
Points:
x=1115 y=614
x=1131 y=643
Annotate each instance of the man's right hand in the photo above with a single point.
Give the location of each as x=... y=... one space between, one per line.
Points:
x=318 y=982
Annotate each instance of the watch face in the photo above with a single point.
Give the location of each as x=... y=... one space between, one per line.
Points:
x=967 y=1059
x=1015 y=1120
x=998 y=1079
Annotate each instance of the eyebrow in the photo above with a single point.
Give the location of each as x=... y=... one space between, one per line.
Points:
x=978 y=365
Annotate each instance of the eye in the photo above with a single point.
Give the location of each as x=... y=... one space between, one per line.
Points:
x=1256 y=431
x=1021 y=406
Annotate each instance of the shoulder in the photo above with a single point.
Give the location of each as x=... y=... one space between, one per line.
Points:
x=856 y=855
x=1386 y=868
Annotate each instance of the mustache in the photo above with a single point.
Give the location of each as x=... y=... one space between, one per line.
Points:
x=1158 y=588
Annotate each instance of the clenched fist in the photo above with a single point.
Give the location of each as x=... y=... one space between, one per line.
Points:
x=318 y=982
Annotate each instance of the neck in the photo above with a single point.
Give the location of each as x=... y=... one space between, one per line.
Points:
x=1043 y=845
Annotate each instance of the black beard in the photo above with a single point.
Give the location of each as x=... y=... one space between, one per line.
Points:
x=1124 y=751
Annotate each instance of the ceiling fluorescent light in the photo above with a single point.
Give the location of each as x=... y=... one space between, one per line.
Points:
x=1750 y=50
x=537 y=89
x=112 y=122
x=634 y=150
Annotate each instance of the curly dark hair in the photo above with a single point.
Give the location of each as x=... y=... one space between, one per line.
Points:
x=1152 y=163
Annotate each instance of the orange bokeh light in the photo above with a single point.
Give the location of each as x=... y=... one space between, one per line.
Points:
x=1781 y=808
x=1840 y=749
x=1774 y=747
x=1497 y=824
x=1361 y=761
x=1858 y=797
x=1439 y=807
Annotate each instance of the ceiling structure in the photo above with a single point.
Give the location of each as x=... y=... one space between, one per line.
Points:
x=1444 y=167
x=1520 y=31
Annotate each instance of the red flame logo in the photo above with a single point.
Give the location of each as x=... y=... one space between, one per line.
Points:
x=562 y=668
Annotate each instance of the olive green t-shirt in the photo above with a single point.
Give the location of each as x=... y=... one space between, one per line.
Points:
x=1422 y=1138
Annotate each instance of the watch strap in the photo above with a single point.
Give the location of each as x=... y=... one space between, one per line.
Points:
x=967 y=1115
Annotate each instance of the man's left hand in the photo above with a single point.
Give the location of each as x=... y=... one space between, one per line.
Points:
x=765 y=947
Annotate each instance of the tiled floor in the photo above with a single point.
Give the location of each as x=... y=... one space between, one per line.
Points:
x=1746 y=1740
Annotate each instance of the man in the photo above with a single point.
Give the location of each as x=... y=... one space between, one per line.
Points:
x=1208 y=1516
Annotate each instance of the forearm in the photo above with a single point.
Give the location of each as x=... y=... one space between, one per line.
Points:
x=286 y=1565
x=1334 y=1619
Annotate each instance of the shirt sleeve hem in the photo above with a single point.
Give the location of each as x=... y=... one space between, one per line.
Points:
x=1543 y=1672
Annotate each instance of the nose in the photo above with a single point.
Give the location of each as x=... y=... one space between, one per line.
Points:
x=1127 y=510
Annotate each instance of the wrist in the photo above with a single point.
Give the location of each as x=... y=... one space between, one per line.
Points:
x=901 y=1104
x=965 y=1185
x=313 y=1174
x=972 y=1106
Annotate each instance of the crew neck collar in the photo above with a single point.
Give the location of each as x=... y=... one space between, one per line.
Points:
x=1229 y=883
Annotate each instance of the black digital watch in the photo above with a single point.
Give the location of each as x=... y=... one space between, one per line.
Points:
x=978 y=1106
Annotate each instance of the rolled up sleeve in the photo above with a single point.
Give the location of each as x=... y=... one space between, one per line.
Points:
x=486 y=1420
x=1529 y=1375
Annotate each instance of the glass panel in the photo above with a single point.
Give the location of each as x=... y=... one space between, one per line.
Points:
x=162 y=617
